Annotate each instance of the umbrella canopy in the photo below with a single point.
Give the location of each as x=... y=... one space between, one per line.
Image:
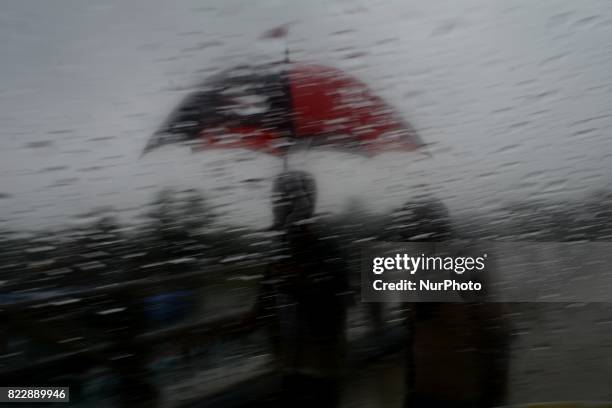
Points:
x=271 y=108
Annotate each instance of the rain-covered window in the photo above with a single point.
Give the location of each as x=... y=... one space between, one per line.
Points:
x=189 y=191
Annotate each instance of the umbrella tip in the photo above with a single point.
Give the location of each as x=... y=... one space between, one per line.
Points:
x=152 y=144
x=424 y=150
x=159 y=139
x=277 y=32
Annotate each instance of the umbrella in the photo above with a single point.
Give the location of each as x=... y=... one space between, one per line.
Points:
x=273 y=108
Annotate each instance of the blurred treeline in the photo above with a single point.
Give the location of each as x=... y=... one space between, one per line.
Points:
x=180 y=232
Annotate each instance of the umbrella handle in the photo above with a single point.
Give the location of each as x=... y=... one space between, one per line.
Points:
x=303 y=144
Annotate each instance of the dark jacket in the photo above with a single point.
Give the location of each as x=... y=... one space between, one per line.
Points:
x=303 y=298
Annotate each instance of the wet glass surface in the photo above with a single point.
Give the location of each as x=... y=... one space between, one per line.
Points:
x=140 y=143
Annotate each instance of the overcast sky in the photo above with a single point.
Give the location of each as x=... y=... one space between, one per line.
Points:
x=514 y=96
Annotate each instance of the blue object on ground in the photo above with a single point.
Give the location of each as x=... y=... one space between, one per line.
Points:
x=169 y=307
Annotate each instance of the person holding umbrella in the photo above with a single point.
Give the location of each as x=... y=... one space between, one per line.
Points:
x=303 y=299
x=276 y=109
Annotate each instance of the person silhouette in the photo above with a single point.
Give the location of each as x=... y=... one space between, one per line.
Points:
x=303 y=298
x=458 y=353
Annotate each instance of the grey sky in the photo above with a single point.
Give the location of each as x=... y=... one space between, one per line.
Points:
x=514 y=95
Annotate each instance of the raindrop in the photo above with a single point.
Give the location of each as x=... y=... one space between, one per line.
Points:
x=39 y=144
x=586 y=21
x=445 y=28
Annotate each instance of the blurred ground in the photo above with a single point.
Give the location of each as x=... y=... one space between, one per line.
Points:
x=561 y=352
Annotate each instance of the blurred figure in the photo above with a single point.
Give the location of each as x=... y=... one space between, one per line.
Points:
x=427 y=220
x=458 y=353
x=123 y=318
x=303 y=299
